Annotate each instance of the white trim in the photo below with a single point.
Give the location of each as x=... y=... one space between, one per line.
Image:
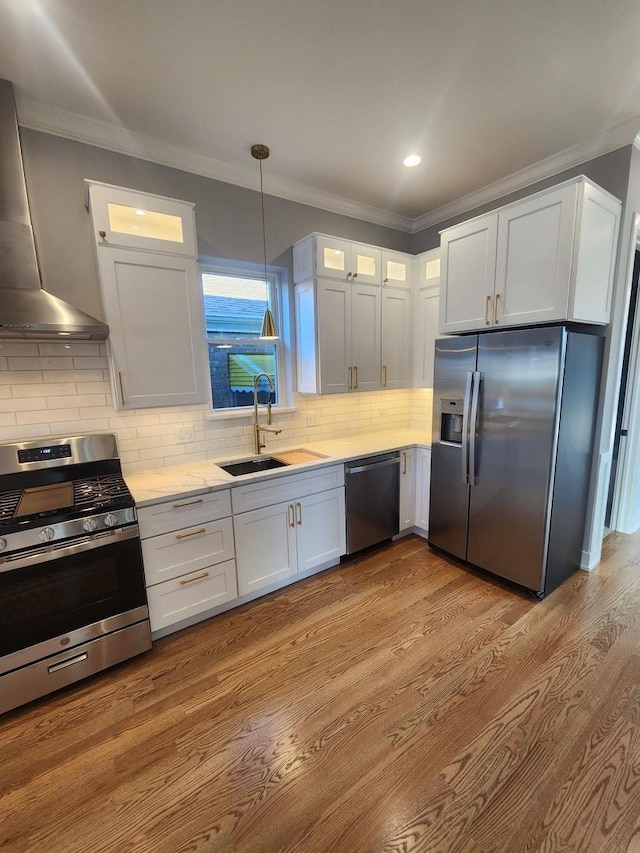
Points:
x=603 y=143
x=38 y=116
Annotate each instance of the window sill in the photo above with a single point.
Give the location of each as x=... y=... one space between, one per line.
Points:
x=227 y=414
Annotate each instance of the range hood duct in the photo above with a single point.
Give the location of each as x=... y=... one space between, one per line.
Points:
x=26 y=310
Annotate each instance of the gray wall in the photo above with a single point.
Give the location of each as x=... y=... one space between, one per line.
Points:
x=227 y=217
x=610 y=171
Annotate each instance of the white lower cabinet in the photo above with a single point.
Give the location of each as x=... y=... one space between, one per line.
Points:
x=407 y=488
x=423 y=485
x=189 y=570
x=275 y=541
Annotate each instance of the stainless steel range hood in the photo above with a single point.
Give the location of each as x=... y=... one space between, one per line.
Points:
x=27 y=311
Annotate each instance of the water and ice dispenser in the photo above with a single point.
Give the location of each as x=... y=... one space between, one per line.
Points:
x=451 y=411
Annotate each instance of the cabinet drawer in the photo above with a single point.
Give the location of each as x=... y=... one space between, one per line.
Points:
x=286 y=488
x=175 y=600
x=183 y=512
x=173 y=554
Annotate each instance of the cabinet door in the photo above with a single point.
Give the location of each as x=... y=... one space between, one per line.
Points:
x=396 y=338
x=533 y=268
x=306 y=342
x=423 y=486
x=366 y=264
x=407 y=488
x=365 y=337
x=426 y=333
x=320 y=526
x=153 y=306
x=426 y=269
x=333 y=258
x=468 y=268
x=334 y=336
x=396 y=268
x=123 y=217
x=265 y=546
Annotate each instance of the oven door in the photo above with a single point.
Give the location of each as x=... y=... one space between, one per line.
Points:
x=60 y=596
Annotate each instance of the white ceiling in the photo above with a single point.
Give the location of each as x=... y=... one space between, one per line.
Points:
x=341 y=90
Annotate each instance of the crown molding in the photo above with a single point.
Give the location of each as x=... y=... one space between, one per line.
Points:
x=41 y=117
x=622 y=134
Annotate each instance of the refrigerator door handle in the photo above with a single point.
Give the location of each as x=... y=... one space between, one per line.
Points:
x=465 y=428
x=477 y=379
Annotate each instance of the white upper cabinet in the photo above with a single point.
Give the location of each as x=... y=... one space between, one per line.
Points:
x=548 y=257
x=151 y=300
x=396 y=268
x=426 y=316
x=137 y=220
x=331 y=257
x=468 y=268
x=397 y=333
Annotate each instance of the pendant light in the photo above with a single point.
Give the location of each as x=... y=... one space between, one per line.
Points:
x=268 y=331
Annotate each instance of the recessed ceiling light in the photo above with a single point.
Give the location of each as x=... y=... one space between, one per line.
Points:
x=412 y=160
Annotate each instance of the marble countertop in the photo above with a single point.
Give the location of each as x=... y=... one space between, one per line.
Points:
x=177 y=481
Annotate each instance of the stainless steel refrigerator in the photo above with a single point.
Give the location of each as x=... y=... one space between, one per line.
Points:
x=513 y=427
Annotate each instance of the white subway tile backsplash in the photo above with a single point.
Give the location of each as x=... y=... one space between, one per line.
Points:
x=48 y=416
x=89 y=362
x=8 y=419
x=84 y=401
x=29 y=404
x=69 y=349
x=37 y=363
x=72 y=375
x=8 y=348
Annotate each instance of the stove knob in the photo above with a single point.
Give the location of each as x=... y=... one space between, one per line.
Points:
x=3 y=544
x=110 y=519
x=47 y=534
x=89 y=525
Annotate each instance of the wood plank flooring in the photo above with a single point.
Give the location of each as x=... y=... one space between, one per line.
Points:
x=396 y=703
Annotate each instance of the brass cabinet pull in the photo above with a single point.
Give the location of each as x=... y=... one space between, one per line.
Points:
x=350 y=378
x=299 y=513
x=199 y=577
x=404 y=461
x=355 y=275
x=292 y=519
x=384 y=375
x=121 y=388
x=193 y=533
x=187 y=503
x=496 y=319
x=355 y=375
x=103 y=234
x=349 y=274
x=487 y=319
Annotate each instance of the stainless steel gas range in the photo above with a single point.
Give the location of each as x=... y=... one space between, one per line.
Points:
x=72 y=591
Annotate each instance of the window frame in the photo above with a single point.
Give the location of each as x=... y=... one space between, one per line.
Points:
x=279 y=303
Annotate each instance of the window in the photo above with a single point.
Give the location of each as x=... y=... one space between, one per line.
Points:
x=235 y=298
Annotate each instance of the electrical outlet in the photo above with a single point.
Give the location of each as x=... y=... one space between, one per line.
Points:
x=312 y=420
x=383 y=411
x=184 y=434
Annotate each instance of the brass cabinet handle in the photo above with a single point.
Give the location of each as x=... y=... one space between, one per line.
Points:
x=384 y=375
x=187 y=503
x=292 y=519
x=487 y=311
x=103 y=234
x=350 y=378
x=121 y=388
x=404 y=461
x=496 y=319
x=355 y=275
x=193 y=533
x=299 y=513
x=349 y=274
x=199 y=577
x=355 y=374
x=386 y=281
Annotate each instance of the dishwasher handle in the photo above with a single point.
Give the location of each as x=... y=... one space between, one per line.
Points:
x=357 y=469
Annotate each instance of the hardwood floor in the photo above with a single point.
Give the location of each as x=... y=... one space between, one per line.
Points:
x=396 y=703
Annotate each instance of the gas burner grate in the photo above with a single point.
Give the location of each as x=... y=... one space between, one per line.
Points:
x=8 y=504
x=102 y=491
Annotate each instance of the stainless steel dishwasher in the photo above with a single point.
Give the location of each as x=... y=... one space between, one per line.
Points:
x=372 y=491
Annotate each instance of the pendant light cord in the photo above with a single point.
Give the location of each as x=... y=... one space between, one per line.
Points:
x=264 y=232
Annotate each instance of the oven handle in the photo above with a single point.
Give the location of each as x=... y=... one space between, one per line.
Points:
x=54 y=552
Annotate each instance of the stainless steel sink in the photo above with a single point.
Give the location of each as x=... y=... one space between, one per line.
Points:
x=251 y=466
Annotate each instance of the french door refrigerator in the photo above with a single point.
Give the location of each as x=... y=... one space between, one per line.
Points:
x=513 y=427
